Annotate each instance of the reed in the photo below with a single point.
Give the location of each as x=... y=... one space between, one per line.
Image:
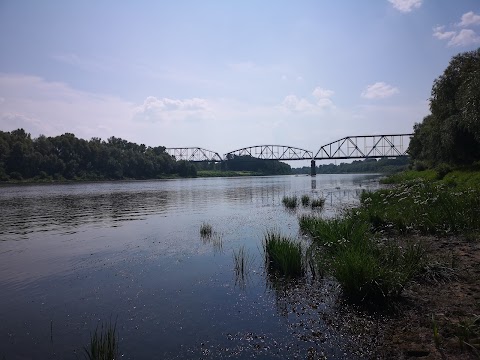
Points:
x=206 y=230
x=305 y=200
x=290 y=202
x=317 y=203
x=242 y=261
x=103 y=343
x=283 y=255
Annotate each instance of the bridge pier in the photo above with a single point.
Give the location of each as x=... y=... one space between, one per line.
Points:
x=313 y=170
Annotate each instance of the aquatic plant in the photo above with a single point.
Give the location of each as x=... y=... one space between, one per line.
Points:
x=283 y=255
x=206 y=230
x=305 y=200
x=242 y=261
x=317 y=203
x=103 y=343
x=290 y=202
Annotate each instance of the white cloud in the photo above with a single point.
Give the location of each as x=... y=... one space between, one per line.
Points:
x=300 y=105
x=379 y=90
x=469 y=18
x=323 y=97
x=405 y=6
x=295 y=104
x=464 y=37
x=166 y=109
x=440 y=34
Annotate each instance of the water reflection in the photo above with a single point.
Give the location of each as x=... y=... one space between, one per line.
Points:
x=133 y=249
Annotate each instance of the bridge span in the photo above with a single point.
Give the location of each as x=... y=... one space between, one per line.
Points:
x=349 y=147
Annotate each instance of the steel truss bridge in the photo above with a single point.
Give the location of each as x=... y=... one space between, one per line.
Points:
x=350 y=147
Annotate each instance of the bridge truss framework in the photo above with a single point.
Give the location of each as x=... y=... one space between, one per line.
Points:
x=350 y=147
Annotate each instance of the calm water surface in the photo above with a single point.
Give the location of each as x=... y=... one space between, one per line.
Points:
x=74 y=255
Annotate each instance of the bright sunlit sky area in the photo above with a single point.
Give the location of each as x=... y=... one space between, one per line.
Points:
x=223 y=75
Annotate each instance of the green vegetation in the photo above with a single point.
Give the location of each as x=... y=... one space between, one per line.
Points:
x=317 y=203
x=259 y=166
x=206 y=230
x=305 y=200
x=290 y=202
x=367 y=268
x=283 y=256
x=66 y=157
x=242 y=262
x=425 y=207
x=450 y=135
x=226 y=173
x=359 y=166
x=370 y=269
x=103 y=343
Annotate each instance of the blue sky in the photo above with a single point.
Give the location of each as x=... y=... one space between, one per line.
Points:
x=226 y=74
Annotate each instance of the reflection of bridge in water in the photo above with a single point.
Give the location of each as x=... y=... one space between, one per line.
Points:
x=350 y=147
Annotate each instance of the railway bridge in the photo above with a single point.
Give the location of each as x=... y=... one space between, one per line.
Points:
x=349 y=147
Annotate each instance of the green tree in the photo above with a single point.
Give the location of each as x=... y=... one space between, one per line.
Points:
x=451 y=134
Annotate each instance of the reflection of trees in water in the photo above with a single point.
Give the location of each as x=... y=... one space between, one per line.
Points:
x=47 y=213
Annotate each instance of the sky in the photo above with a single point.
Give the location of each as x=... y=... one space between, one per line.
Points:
x=224 y=75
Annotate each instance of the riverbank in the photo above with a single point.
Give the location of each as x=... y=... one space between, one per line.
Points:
x=200 y=174
x=407 y=261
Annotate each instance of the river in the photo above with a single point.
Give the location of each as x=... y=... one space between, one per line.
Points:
x=73 y=256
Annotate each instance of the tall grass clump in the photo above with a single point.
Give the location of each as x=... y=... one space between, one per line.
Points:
x=305 y=200
x=290 y=202
x=317 y=203
x=103 y=343
x=283 y=255
x=367 y=269
x=206 y=230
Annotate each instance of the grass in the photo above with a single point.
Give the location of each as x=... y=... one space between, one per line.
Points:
x=242 y=261
x=424 y=207
x=318 y=203
x=368 y=269
x=305 y=200
x=290 y=202
x=103 y=343
x=206 y=230
x=283 y=255
x=372 y=270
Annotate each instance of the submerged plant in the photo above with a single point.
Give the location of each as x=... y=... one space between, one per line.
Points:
x=283 y=255
x=290 y=202
x=206 y=230
x=103 y=343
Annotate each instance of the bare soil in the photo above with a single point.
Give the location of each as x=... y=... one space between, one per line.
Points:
x=447 y=298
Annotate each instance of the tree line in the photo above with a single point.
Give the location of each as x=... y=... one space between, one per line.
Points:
x=359 y=166
x=68 y=157
x=450 y=135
